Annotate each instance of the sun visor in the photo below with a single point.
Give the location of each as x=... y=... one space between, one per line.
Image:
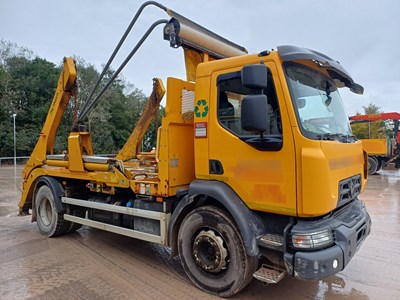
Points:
x=334 y=68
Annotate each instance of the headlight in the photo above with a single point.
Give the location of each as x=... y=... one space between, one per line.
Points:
x=312 y=240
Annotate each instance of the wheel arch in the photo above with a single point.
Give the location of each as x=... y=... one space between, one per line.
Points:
x=200 y=192
x=56 y=189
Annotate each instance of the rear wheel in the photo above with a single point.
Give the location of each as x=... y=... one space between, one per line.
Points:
x=49 y=222
x=372 y=165
x=78 y=212
x=213 y=253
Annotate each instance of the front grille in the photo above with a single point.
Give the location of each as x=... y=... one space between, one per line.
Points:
x=349 y=189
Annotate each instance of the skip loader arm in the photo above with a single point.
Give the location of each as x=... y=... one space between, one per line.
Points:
x=66 y=87
x=132 y=144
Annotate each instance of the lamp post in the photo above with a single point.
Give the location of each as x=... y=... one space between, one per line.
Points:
x=15 y=142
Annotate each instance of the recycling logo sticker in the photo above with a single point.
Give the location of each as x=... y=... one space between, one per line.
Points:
x=201 y=109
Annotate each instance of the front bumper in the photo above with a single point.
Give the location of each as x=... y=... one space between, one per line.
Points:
x=350 y=226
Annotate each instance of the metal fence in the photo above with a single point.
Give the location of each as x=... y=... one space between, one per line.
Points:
x=10 y=160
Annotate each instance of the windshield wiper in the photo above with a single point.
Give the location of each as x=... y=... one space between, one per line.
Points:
x=328 y=136
x=350 y=138
x=344 y=138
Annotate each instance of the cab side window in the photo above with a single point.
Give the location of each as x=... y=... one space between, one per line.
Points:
x=230 y=96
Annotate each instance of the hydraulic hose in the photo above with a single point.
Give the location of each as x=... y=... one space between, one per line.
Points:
x=88 y=103
x=93 y=103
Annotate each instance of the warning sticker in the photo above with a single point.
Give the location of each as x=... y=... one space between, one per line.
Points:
x=200 y=129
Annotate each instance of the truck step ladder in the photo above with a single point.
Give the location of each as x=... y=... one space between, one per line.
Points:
x=268 y=274
x=271 y=241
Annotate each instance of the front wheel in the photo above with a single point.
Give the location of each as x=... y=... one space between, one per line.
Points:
x=213 y=253
x=49 y=222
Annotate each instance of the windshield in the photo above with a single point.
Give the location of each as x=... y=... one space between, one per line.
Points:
x=317 y=102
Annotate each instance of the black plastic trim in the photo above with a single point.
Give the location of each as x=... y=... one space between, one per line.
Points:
x=350 y=226
x=264 y=53
x=185 y=205
x=267 y=143
x=229 y=76
x=56 y=190
x=249 y=223
x=334 y=68
x=216 y=167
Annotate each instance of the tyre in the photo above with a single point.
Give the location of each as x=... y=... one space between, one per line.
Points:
x=49 y=222
x=212 y=252
x=372 y=165
x=78 y=212
x=379 y=166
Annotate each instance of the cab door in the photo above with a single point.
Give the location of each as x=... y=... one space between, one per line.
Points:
x=263 y=178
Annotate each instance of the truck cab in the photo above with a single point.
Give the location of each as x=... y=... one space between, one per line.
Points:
x=302 y=176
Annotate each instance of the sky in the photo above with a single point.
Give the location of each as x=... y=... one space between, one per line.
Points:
x=363 y=35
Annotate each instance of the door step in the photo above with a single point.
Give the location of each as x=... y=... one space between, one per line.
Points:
x=271 y=241
x=268 y=274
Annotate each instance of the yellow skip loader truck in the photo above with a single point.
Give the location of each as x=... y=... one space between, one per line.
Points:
x=256 y=173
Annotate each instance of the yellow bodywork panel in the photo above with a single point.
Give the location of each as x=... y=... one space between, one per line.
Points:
x=192 y=60
x=202 y=142
x=264 y=180
x=375 y=146
x=113 y=178
x=79 y=144
x=323 y=164
x=27 y=188
x=175 y=149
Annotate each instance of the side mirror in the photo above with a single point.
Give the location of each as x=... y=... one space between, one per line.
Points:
x=255 y=76
x=254 y=113
x=357 y=88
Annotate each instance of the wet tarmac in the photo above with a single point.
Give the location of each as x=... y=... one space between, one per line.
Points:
x=92 y=264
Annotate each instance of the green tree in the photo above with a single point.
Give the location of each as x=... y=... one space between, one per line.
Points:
x=370 y=130
x=27 y=86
